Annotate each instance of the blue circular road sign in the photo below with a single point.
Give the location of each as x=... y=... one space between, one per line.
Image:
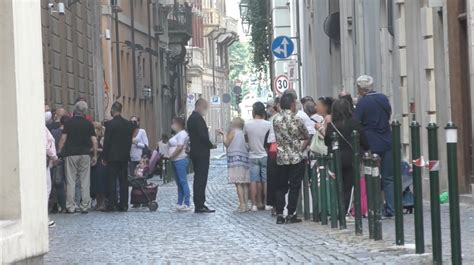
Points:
x=282 y=47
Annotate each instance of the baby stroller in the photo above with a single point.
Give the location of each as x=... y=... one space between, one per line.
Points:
x=143 y=192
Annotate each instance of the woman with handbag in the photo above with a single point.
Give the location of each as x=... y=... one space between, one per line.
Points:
x=343 y=125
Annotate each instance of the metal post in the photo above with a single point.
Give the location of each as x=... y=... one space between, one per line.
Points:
x=339 y=181
x=323 y=172
x=434 y=193
x=314 y=190
x=117 y=54
x=397 y=175
x=134 y=59
x=356 y=167
x=332 y=193
x=377 y=197
x=307 y=213
x=369 y=192
x=417 y=188
x=455 y=224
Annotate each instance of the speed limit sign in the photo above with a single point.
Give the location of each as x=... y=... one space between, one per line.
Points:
x=281 y=84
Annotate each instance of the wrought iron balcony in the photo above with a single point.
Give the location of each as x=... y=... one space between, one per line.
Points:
x=180 y=22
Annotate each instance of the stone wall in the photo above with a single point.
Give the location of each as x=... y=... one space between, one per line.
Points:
x=69 y=50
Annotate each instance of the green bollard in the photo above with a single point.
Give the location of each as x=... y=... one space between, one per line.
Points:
x=376 y=186
x=339 y=181
x=307 y=213
x=314 y=190
x=417 y=188
x=323 y=172
x=356 y=167
x=434 y=193
x=369 y=193
x=332 y=193
x=397 y=175
x=455 y=224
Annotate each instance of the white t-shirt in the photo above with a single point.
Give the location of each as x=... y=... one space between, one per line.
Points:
x=271 y=135
x=180 y=138
x=317 y=118
x=307 y=122
x=256 y=130
x=137 y=149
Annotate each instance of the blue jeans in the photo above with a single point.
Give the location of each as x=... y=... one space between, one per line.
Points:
x=181 y=172
x=386 y=169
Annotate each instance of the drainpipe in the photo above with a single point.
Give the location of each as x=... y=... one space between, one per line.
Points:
x=117 y=54
x=134 y=67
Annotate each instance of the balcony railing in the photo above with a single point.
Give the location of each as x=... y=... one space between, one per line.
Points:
x=180 y=20
x=211 y=18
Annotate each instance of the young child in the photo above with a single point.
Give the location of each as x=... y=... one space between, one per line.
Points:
x=142 y=168
x=238 y=161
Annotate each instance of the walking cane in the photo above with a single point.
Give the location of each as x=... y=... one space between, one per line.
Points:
x=350 y=202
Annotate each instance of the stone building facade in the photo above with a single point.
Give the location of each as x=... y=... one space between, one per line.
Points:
x=208 y=64
x=417 y=51
x=72 y=55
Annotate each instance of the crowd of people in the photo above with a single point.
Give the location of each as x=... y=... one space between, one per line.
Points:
x=88 y=163
x=268 y=154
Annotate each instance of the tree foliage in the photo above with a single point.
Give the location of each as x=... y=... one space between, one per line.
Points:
x=257 y=17
x=240 y=66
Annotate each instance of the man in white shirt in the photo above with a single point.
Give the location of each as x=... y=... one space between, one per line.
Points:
x=257 y=131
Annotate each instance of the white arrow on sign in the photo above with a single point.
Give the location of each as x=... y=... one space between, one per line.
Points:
x=283 y=50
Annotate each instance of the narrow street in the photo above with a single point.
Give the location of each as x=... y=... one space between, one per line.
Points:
x=143 y=237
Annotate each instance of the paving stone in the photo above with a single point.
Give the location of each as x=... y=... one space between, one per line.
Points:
x=226 y=237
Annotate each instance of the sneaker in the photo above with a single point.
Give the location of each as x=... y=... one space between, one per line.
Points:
x=293 y=219
x=268 y=208
x=185 y=208
x=179 y=207
x=280 y=219
x=350 y=219
x=254 y=208
x=51 y=223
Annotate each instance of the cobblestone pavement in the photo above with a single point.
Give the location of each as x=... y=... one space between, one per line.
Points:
x=165 y=236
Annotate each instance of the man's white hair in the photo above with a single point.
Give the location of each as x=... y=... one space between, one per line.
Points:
x=365 y=82
x=80 y=107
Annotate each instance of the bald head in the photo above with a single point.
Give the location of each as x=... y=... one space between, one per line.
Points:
x=201 y=106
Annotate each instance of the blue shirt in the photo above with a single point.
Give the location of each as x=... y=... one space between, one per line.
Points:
x=373 y=111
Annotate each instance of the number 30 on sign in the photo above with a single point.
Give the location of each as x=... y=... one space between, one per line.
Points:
x=281 y=84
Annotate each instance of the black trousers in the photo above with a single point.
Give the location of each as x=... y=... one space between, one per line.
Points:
x=272 y=169
x=348 y=183
x=118 y=170
x=201 y=172
x=289 y=179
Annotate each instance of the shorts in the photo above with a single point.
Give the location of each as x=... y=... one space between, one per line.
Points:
x=258 y=169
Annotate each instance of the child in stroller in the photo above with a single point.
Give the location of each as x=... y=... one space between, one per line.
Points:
x=143 y=192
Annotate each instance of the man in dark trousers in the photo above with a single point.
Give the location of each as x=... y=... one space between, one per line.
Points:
x=374 y=112
x=117 y=144
x=200 y=154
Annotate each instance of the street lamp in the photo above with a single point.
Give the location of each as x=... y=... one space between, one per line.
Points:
x=246 y=27
x=244 y=8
